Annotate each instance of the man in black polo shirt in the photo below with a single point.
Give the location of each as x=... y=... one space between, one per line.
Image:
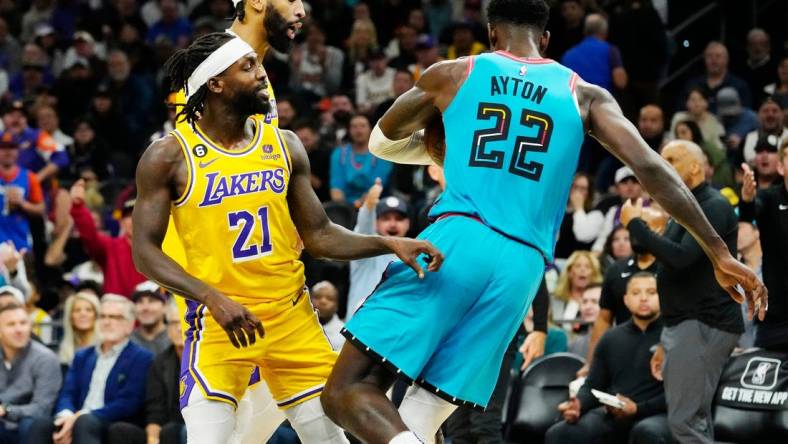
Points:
x=769 y=208
x=702 y=321
x=614 y=285
x=621 y=368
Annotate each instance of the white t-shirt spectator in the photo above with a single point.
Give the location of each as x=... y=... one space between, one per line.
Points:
x=372 y=90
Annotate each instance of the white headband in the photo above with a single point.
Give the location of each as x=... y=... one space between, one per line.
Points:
x=216 y=63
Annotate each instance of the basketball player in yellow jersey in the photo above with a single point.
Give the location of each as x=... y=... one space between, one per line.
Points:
x=262 y=24
x=230 y=182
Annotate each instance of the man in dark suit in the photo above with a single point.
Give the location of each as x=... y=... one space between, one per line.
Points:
x=105 y=384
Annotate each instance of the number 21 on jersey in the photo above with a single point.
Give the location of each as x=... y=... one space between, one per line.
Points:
x=246 y=223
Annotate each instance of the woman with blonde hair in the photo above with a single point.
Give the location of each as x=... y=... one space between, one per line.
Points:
x=80 y=326
x=362 y=42
x=581 y=270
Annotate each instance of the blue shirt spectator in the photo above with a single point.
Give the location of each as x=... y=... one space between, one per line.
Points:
x=38 y=151
x=737 y=120
x=172 y=26
x=595 y=60
x=353 y=168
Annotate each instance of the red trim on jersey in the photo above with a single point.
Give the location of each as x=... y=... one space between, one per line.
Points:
x=470 y=67
x=573 y=82
x=533 y=60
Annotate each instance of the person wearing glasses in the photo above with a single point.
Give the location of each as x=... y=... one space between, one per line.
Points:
x=105 y=384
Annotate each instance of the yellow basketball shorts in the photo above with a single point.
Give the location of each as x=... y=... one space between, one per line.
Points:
x=294 y=358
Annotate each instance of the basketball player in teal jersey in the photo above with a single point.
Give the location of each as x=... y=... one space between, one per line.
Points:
x=514 y=123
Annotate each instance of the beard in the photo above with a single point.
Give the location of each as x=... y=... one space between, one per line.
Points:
x=649 y=317
x=250 y=103
x=276 y=27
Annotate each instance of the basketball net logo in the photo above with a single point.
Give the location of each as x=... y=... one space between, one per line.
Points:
x=759 y=377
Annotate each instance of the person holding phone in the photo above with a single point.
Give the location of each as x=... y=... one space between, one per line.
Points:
x=632 y=406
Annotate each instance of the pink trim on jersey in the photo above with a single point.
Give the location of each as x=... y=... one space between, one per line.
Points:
x=470 y=66
x=533 y=60
x=573 y=82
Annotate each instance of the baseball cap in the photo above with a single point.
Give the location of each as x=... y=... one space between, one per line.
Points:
x=44 y=30
x=624 y=172
x=390 y=204
x=728 y=102
x=15 y=292
x=767 y=143
x=425 y=42
x=153 y=294
x=84 y=36
x=15 y=105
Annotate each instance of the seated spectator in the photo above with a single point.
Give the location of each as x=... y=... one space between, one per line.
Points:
x=30 y=378
x=113 y=254
x=151 y=331
x=319 y=157
x=335 y=120
x=767 y=163
x=39 y=319
x=80 y=325
x=375 y=85
x=689 y=130
x=403 y=81
x=567 y=31
x=171 y=26
x=627 y=187
x=698 y=111
x=286 y=112
x=163 y=419
x=580 y=272
x=48 y=120
x=38 y=151
x=581 y=224
x=324 y=298
x=759 y=68
x=779 y=89
x=426 y=56
x=21 y=196
x=103 y=385
x=401 y=50
x=737 y=120
x=621 y=367
x=651 y=126
x=716 y=77
x=362 y=42
x=12 y=269
x=589 y=311
x=617 y=247
x=11 y=295
x=353 y=168
x=748 y=247
x=388 y=217
x=316 y=68
x=771 y=123
x=88 y=151
x=463 y=42
x=594 y=59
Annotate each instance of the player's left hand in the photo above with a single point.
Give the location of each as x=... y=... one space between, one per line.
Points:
x=730 y=273
x=532 y=348
x=408 y=250
x=629 y=410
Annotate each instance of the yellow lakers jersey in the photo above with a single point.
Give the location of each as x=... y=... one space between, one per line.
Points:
x=233 y=220
x=172 y=246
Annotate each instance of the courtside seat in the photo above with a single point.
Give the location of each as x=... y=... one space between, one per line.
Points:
x=543 y=386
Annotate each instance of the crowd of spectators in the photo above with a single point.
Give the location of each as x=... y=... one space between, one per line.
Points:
x=83 y=92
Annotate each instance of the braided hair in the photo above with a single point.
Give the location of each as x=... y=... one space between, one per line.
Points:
x=183 y=63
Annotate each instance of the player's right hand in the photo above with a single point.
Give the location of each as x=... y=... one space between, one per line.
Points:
x=239 y=324
x=408 y=250
x=731 y=273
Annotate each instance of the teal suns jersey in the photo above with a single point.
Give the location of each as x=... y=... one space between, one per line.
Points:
x=513 y=138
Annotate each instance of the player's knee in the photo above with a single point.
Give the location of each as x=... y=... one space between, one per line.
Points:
x=330 y=400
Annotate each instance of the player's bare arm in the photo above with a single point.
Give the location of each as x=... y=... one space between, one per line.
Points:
x=398 y=135
x=161 y=175
x=324 y=239
x=606 y=123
